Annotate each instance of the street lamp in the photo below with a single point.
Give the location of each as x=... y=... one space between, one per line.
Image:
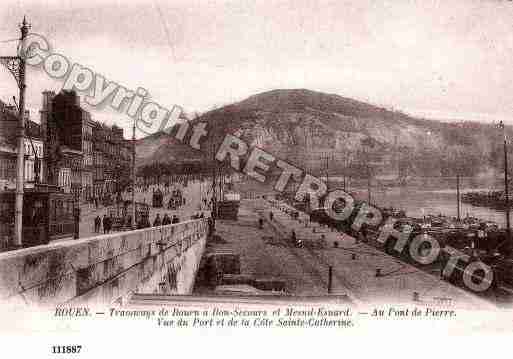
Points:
x=16 y=65
x=506 y=189
x=368 y=145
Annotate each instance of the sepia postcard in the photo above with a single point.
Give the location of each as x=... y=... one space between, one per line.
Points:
x=249 y=178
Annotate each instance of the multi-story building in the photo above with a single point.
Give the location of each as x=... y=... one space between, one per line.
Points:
x=33 y=146
x=111 y=157
x=83 y=156
x=61 y=123
x=70 y=130
x=87 y=150
x=8 y=136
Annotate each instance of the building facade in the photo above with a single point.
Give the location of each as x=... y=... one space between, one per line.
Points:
x=111 y=158
x=87 y=150
x=33 y=146
x=83 y=156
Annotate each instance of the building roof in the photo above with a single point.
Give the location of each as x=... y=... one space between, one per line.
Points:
x=9 y=124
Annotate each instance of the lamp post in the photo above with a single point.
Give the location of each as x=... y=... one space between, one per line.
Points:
x=368 y=147
x=16 y=65
x=458 y=196
x=506 y=186
x=133 y=223
x=116 y=187
x=327 y=158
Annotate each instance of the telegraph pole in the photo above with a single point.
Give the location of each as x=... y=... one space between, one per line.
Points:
x=368 y=177
x=133 y=224
x=345 y=173
x=368 y=185
x=506 y=187
x=214 y=184
x=458 y=195
x=16 y=65
x=20 y=162
x=327 y=174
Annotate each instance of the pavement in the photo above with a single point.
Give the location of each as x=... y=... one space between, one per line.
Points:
x=262 y=254
x=270 y=252
x=355 y=265
x=192 y=193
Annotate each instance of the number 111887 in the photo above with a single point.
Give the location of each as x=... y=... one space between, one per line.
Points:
x=66 y=349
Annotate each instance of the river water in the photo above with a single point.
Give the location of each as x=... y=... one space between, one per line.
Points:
x=417 y=203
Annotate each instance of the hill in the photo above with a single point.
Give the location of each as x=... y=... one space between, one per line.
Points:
x=304 y=126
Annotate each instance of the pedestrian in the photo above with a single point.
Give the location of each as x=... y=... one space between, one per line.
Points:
x=271 y=215
x=210 y=227
x=261 y=223
x=97 y=224
x=166 y=220
x=175 y=219
x=293 y=237
x=105 y=224
x=157 y=222
x=109 y=224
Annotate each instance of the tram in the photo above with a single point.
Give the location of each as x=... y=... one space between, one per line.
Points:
x=157 y=199
x=175 y=200
x=48 y=214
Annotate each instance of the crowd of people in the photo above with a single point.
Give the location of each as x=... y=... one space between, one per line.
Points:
x=103 y=224
x=164 y=221
x=145 y=194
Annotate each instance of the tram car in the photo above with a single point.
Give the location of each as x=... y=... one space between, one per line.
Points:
x=107 y=200
x=175 y=200
x=48 y=214
x=157 y=199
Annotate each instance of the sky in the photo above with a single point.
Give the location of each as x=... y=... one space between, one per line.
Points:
x=447 y=59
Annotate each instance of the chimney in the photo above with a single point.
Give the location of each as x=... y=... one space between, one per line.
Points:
x=45 y=112
x=47 y=100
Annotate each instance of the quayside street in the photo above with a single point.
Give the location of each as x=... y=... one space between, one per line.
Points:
x=269 y=253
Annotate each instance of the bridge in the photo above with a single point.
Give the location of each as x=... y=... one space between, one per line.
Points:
x=106 y=269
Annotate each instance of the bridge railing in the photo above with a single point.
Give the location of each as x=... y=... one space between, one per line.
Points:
x=107 y=268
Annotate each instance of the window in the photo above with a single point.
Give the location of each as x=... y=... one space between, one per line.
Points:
x=53 y=209
x=6 y=212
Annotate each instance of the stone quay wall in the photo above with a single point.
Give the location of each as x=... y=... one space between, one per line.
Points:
x=106 y=269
